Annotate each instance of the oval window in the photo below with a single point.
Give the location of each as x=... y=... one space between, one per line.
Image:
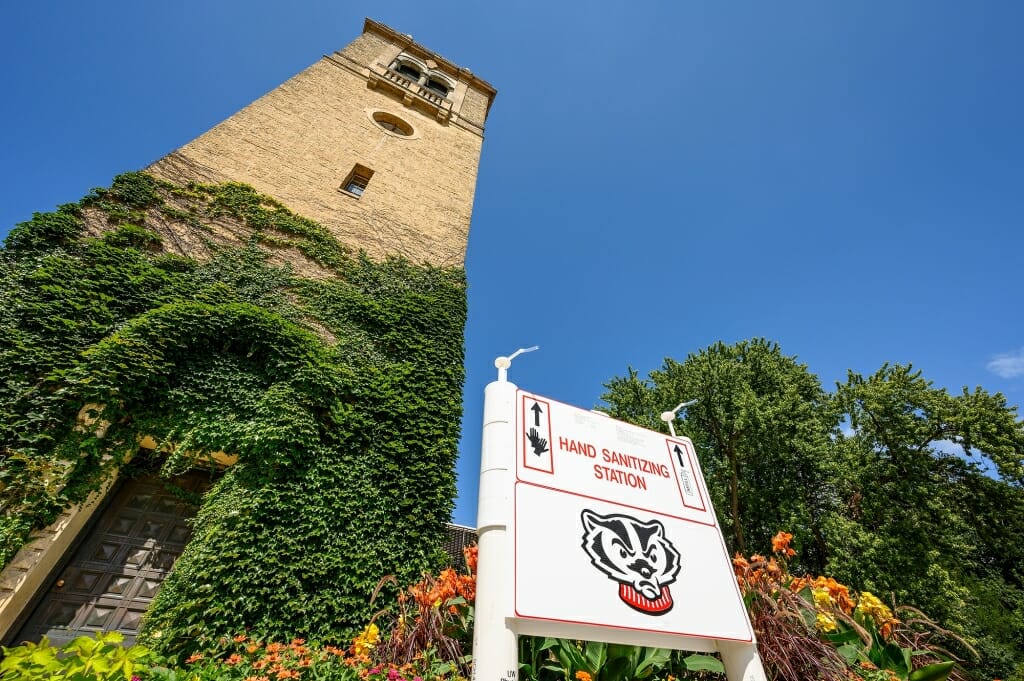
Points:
x=392 y=123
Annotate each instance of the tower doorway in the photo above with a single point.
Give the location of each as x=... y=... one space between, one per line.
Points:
x=116 y=571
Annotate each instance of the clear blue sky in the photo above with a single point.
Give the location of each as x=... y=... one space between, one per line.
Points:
x=844 y=178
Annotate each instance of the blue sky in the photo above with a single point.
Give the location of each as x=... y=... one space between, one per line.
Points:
x=843 y=178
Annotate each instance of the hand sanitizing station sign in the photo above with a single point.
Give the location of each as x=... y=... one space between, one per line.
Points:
x=590 y=528
x=613 y=528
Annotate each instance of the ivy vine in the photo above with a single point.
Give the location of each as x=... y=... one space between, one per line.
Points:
x=339 y=393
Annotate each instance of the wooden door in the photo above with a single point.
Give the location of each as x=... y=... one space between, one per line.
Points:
x=113 y=575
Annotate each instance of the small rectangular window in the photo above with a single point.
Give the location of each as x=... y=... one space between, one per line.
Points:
x=357 y=180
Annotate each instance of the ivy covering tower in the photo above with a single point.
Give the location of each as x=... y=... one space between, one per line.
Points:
x=281 y=302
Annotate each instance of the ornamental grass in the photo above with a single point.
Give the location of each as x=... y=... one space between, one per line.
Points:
x=813 y=627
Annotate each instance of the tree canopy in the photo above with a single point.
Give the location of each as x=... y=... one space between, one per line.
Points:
x=888 y=482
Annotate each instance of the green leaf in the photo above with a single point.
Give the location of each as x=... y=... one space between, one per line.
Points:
x=933 y=672
x=896 y=659
x=841 y=637
x=43 y=656
x=849 y=653
x=650 y=660
x=703 y=663
x=617 y=669
x=595 y=654
x=110 y=637
x=570 y=656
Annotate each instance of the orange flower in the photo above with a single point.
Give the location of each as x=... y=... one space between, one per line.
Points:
x=446 y=586
x=420 y=595
x=467 y=587
x=259 y=664
x=334 y=650
x=841 y=594
x=195 y=657
x=257 y=678
x=288 y=674
x=799 y=583
x=275 y=647
x=780 y=544
x=252 y=648
x=233 y=660
x=583 y=676
x=241 y=638
x=471 y=554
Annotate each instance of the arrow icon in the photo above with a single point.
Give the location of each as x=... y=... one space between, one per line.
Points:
x=537 y=411
x=536 y=434
x=684 y=474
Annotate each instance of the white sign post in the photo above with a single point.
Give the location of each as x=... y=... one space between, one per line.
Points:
x=495 y=646
x=591 y=528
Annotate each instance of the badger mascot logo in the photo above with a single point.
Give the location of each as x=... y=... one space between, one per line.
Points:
x=635 y=554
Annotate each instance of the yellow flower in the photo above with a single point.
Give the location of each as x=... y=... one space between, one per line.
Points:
x=822 y=598
x=871 y=606
x=366 y=640
x=825 y=622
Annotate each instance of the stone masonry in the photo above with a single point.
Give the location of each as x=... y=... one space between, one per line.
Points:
x=299 y=142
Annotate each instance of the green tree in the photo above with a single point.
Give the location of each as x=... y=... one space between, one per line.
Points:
x=922 y=520
x=919 y=496
x=762 y=426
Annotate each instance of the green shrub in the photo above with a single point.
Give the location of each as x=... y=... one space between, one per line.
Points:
x=102 y=658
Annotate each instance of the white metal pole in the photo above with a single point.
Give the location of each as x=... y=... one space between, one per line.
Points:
x=495 y=648
x=742 y=663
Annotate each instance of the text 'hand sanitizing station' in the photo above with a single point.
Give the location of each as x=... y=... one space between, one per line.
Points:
x=595 y=529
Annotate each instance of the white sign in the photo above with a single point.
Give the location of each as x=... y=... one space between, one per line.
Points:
x=613 y=528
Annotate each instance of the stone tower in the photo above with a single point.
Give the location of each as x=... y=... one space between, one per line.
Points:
x=378 y=142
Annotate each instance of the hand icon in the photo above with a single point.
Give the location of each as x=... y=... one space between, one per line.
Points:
x=539 y=444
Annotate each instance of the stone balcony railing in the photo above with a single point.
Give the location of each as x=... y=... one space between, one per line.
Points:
x=412 y=93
